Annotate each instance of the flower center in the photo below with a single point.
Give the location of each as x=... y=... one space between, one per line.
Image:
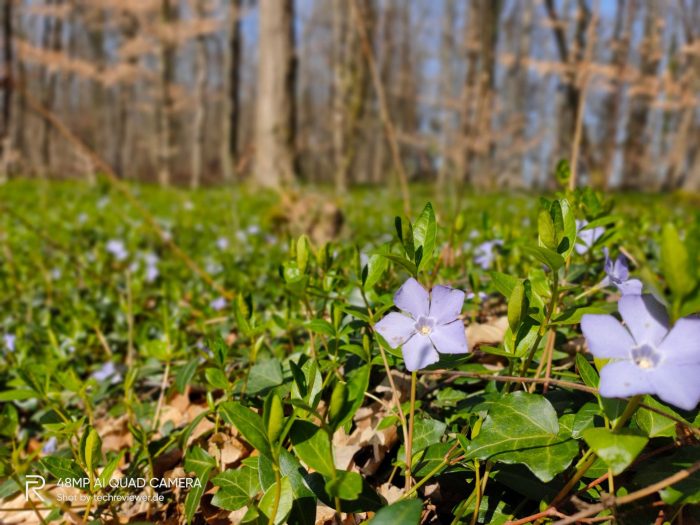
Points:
x=645 y=356
x=424 y=325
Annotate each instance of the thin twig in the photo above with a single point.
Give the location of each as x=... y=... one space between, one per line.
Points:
x=633 y=496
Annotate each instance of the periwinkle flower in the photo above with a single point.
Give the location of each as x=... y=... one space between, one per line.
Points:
x=618 y=274
x=117 y=249
x=429 y=324
x=646 y=356
x=107 y=371
x=587 y=237
x=222 y=243
x=218 y=304
x=484 y=254
x=50 y=446
x=9 y=340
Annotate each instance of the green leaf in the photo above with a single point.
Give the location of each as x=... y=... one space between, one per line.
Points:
x=284 y=501
x=409 y=265
x=675 y=262
x=552 y=259
x=321 y=326
x=653 y=424
x=503 y=283
x=346 y=485
x=427 y=432
x=586 y=371
x=545 y=229
x=523 y=428
x=618 y=450
x=236 y=488
x=185 y=374
x=302 y=252
x=574 y=315
x=517 y=306
x=62 y=468
x=405 y=512
x=201 y=463
x=424 y=235
x=17 y=395
x=90 y=449
x=265 y=375
x=216 y=378
x=313 y=446
x=376 y=266
x=304 y=506
x=249 y=424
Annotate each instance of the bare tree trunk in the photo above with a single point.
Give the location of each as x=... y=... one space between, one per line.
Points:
x=201 y=67
x=165 y=109
x=468 y=95
x=340 y=84
x=7 y=80
x=447 y=56
x=52 y=40
x=275 y=114
x=230 y=114
x=635 y=168
x=125 y=97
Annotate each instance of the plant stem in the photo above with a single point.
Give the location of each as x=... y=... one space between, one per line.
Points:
x=411 y=417
x=278 y=495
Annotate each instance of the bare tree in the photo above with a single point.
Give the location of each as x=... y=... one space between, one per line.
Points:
x=165 y=105
x=275 y=115
x=201 y=67
x=7 y=88
x=232 y=83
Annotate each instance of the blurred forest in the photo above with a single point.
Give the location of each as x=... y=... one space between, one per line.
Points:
x=492 y=93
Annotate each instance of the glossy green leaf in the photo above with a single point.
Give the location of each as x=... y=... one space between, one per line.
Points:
x=249 y=424
x=405 y=512
x=618 y=450
x=523 y=428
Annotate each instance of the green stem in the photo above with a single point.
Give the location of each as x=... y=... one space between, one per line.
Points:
x=589 y=457
x=411 y=417
x=543 y=329
x=278 y=495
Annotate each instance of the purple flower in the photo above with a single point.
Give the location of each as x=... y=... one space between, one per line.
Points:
x=646 y=357
x=9 y=340
x=484 y=254
x=107 y=371
x=481 y=295
x=618 y=273
x=432 y=324
x=117 y=249
x=218 y=304
x=50 y=446
x=222 y=243
x=587 y=238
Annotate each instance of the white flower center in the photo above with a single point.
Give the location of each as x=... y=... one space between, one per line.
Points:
x=425 y=325
x=645 y=356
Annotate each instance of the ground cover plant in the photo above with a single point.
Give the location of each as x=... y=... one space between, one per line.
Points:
x=209 y=359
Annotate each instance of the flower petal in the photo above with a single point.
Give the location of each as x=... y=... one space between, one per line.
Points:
x=450 y=338
x=631 y=287
x=682 y=344
x=606 y=337
x=412 y=298
x=645 y=317
x=677 y=385
x=396 y=328
x=623 y=379
x=418 y=352
x=445 y=304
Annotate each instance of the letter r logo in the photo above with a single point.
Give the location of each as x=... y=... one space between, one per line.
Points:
x=35 y=482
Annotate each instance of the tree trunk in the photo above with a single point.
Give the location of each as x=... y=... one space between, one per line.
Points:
x=636 y=165
x=7 y=80
x=230 y=115
x=165 y=109
x=275 y=112
x=52 y=40
x=200 y=104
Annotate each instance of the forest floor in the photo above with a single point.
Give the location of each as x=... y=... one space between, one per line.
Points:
x=217 y=356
